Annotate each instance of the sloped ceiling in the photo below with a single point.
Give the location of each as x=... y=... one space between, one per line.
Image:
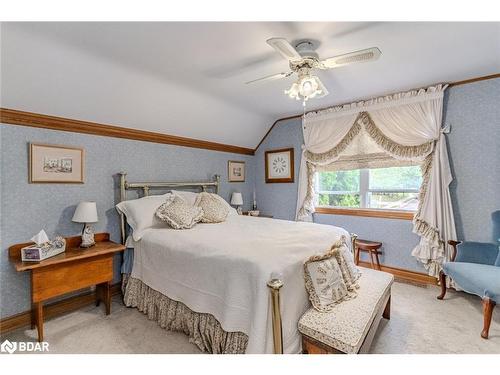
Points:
x=187 y=79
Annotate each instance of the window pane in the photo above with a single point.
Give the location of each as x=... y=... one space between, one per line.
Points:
x=339 y=181
x=339 y=200
x=393 y=201
x=395 y=178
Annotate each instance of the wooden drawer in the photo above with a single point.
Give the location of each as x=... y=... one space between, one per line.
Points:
x=51 y=281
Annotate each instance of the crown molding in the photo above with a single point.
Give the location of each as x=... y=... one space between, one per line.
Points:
x=472 y=80
x=37 y=120
x=452 y=84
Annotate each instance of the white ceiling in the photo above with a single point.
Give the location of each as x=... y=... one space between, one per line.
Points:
x=188 y=78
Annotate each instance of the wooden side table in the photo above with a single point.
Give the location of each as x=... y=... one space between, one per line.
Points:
x=371 y=247
x=260 y=215
x=76 y=268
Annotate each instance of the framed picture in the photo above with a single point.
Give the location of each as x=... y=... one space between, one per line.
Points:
x=279 y=165
x=56 y=164
x=236 y=171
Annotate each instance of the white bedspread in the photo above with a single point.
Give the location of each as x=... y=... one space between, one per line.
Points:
x=222 y=269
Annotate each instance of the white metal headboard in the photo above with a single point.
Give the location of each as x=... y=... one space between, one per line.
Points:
x=147 y=186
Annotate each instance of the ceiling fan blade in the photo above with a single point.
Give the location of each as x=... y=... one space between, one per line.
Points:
x=271 y=77
x=284 y=48
x=365 y=55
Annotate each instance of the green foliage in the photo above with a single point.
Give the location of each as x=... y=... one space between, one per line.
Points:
x=339 y=200
x=396 y=178
x=347 y=181
x=346 y=184
x=339 y=181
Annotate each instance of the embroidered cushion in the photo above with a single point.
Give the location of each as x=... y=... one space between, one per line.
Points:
x=324 y=281
x=215 y=209
x=178 y=214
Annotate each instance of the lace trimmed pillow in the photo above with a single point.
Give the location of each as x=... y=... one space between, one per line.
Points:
x=324 y=282
x=178 y=214
x=215 y=209
x=345 y=260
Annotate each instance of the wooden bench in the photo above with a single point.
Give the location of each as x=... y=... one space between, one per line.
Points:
x=351 y=326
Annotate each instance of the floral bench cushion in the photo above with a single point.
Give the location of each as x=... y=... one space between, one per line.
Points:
x=346 y=326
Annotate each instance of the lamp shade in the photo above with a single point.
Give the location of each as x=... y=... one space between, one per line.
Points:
x=236 y=199
x=86 y=212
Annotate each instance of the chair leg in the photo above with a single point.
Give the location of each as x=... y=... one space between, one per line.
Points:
x=371 y=260
x=378 y=261
x=488 y=305
x=442 y=281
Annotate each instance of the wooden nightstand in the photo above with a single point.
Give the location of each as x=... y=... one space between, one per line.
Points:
x=260 y=215
x=76 y=268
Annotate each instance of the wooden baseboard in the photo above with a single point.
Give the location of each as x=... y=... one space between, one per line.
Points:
x=53 y=310
x=406 y=275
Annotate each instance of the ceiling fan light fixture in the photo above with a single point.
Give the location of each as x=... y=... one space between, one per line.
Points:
x=307 y=87
x=303 y=60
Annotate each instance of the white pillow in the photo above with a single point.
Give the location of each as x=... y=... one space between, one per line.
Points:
x=140 y=213
x=188 y=196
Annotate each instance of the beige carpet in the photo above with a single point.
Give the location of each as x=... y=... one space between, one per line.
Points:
x=419 y=324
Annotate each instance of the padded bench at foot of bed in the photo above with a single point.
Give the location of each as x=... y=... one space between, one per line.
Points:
x=350 y=327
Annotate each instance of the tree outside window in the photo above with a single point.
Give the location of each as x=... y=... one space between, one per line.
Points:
x=394 y=188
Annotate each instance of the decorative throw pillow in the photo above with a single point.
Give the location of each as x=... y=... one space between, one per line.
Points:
x=179 y=214
x=324 y=281
x=140 y=213
x=215 y=209
x=345 y=259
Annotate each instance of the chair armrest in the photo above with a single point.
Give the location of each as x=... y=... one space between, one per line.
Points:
x=474 y=252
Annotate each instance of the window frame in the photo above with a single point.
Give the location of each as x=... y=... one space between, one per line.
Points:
x=364 y=191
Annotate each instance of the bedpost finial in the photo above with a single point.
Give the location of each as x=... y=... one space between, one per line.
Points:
x=276 y=281
x=275 y=284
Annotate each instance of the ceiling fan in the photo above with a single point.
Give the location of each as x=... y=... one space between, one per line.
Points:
x=303 y=59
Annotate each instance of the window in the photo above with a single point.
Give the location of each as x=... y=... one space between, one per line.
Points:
x=394 y=188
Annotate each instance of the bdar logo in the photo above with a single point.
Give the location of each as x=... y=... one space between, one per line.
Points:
x=8 y=347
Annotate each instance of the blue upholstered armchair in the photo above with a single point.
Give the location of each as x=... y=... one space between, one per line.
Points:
x=475 y=268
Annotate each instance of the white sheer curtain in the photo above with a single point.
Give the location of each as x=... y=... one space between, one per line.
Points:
x=406 y=126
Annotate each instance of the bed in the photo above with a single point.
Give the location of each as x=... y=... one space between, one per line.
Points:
x=211 y=281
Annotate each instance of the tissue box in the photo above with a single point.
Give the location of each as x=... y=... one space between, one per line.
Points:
x=35 y=253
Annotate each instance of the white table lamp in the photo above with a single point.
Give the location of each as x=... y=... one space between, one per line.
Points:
x=86 y=213
x=237 y=200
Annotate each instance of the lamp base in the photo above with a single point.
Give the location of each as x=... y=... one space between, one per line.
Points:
x=87 y=237
x=239 y=210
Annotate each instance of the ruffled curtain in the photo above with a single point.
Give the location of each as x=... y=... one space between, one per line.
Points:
x=405 y=127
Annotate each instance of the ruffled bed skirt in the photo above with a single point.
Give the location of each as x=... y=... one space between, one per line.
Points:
x=203 y=329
